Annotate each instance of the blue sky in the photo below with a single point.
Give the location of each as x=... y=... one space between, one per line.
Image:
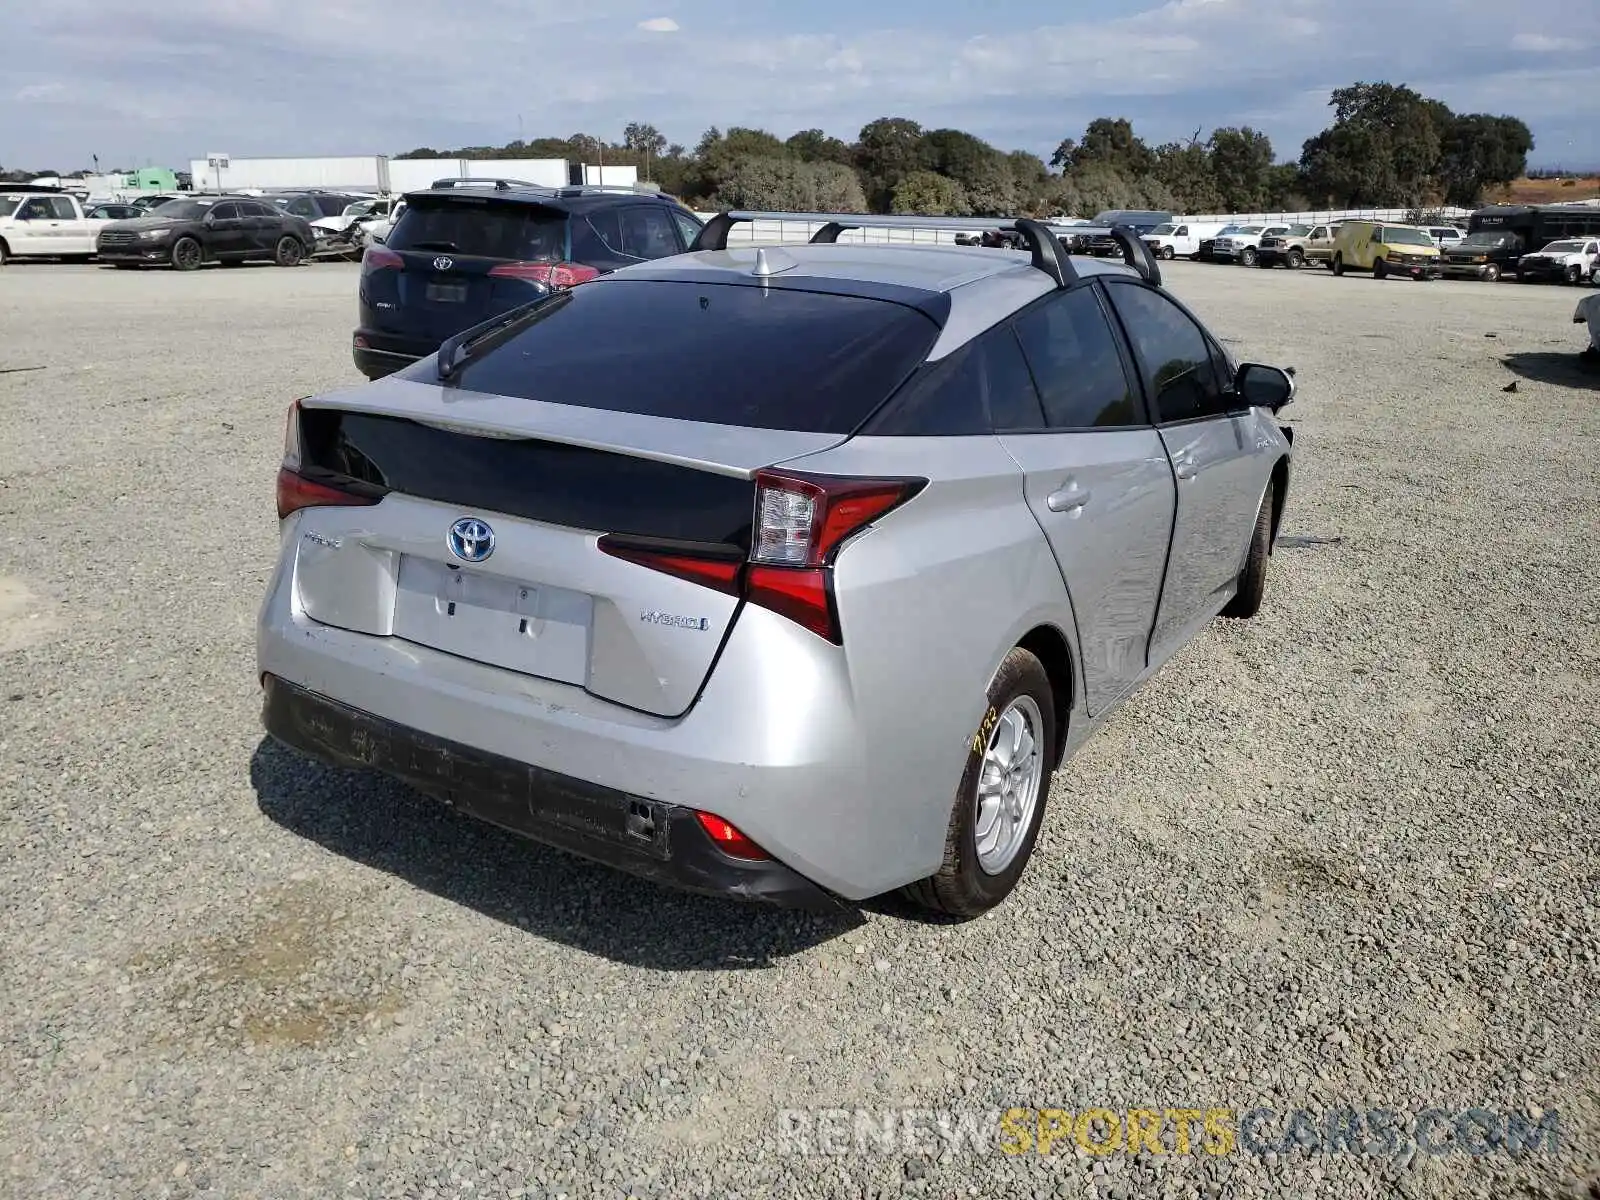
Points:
x=167 y=82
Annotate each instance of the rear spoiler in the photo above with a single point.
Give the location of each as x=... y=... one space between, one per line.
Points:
x=1048 y=244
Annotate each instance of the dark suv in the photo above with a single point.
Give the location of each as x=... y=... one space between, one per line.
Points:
x=460 y=255
x=191 y=232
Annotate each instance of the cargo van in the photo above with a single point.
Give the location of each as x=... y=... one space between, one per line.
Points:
x=1174 y=238
x=1385 y=249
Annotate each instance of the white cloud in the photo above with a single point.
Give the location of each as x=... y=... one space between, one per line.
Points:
x=40 y=91
x=1539 y=43
x=351 y=76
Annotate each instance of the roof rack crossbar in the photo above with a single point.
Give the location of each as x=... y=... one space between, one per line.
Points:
x=1044 y=241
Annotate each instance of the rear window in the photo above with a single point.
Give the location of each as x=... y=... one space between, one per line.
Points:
x=765 y=358
x=482 y=228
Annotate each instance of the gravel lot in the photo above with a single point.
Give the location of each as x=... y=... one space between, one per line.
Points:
x=1343 y=854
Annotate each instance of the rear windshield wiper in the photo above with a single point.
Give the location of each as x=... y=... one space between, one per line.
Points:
x=456 y=350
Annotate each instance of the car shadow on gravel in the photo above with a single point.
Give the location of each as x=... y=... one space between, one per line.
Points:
x=383 y=824
x=1545 y=366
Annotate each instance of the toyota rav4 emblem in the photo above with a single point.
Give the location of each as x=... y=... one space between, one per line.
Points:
x=443 y=264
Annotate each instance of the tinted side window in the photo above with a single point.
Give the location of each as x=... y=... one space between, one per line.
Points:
x=225 y=212
x=1073 y=353
x=983 y=386
x=647 y=232
x=35 y=210
x=687 y=226
x=62 y=208
x=1173 y=353
x=596 y=235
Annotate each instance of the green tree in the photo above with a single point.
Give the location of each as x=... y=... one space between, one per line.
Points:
x=813 y=145
x=644 y=140
x=1479 y=151
x=785 y=184
x=1032 y=186
x=887 y=150
x=1240 y=160
x=929 y=194
x=984 y=173
x=1184 y=169
x=1383 y=148
x=1111 y=142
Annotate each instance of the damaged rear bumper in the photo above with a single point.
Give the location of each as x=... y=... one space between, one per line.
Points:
x=661 y=842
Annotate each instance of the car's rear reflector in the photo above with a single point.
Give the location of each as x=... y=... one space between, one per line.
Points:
x=728 y=839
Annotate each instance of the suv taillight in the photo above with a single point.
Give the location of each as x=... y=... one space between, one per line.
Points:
x=552 y=274
x=800 y=523
x=297 y=491
x=381 y=258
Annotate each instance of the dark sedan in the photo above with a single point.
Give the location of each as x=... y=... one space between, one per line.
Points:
x=187 y=234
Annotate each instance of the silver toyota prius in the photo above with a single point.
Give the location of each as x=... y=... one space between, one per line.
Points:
x=787 y=573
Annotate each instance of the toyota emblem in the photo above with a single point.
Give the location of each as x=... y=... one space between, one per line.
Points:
x=471 y=540
x=442 y=263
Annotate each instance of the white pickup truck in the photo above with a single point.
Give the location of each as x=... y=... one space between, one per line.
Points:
x=1243 y=245
x=45 y=225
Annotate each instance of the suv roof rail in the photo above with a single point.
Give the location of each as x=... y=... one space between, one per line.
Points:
x=1043 y=240
x=600 y=189
x=494 y=181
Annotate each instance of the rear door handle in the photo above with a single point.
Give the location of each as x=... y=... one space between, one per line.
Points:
x=1067 y=499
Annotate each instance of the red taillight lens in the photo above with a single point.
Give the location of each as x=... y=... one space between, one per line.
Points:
x=728 y=839
x=555 y=274
x=381 y=258
x=800 y=522
x=799 y=593
x=295 y=492
x=717 y=571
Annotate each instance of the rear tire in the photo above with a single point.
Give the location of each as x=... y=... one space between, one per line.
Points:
x=1168 y=253
x=1295 y=259
x=1247 y=257
x=1574 y=275
x=1000 y=801
x=1338 y=264
x=1246 y=601
x=289 y=252
x=1491 y=273
x=1379 y=270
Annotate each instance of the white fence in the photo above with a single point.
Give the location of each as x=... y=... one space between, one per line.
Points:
x=776 y=231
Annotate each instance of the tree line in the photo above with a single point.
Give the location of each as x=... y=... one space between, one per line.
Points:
x=1387 y=146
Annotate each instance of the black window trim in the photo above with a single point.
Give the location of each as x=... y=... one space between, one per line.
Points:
x=1213 y=346
x=1119 y=336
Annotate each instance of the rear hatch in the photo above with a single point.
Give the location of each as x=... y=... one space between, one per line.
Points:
x=607 y=415
x=455 y=263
